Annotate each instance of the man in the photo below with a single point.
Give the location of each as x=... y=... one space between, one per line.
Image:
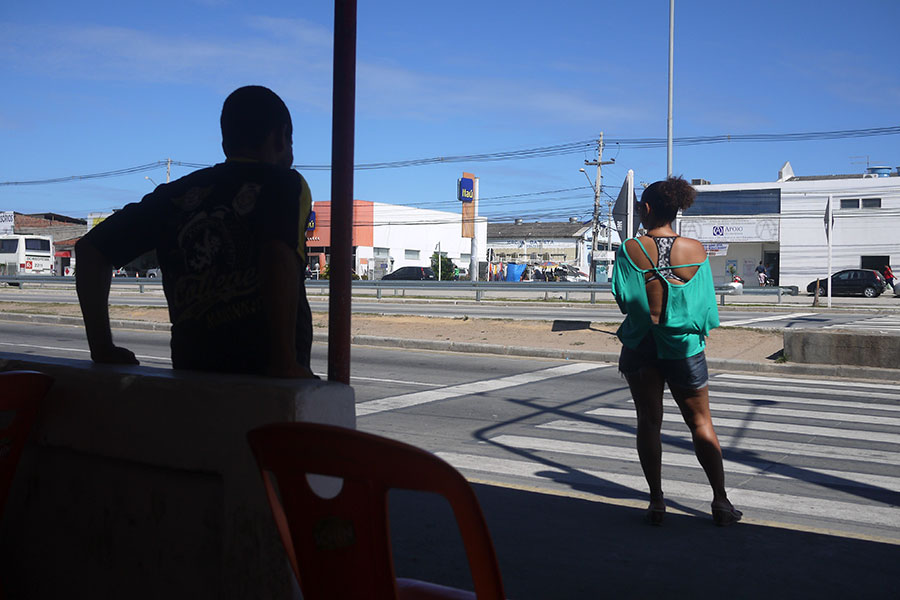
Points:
x=761 y=273
x=230 y=241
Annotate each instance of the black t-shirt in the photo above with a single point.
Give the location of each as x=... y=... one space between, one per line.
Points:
x=208 y=229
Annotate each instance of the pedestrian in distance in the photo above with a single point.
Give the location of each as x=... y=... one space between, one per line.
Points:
x=889 y=276
x=761 y=273
x=231 y=244
x=663 y=284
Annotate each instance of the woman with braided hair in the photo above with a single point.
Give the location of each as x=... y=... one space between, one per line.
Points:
x=663 y=284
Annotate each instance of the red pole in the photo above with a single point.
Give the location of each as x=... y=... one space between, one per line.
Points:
x=342 y=138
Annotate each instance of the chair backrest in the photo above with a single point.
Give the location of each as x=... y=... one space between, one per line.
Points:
x=340 y=547
x=20 y=393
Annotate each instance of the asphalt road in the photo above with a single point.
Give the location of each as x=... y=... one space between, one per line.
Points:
x=812 y=455
x=888 y=318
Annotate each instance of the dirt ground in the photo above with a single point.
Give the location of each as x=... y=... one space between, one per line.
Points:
x=732 y=343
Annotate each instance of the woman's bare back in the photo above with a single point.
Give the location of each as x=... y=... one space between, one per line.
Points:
x=684 y=251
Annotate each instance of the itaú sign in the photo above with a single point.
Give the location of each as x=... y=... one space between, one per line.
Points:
x=730 y=230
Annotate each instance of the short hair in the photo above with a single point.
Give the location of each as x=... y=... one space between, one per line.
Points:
x=249 y=115
x=668 y=196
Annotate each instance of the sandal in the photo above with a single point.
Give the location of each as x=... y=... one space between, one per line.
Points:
x=655 y=514
x=726 y=516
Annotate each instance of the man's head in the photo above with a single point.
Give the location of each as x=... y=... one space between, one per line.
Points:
x=256 y=124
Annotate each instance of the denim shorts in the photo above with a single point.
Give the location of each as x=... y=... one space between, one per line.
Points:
x=688 y=373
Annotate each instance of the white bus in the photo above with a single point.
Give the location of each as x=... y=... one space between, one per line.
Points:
x=26 y=255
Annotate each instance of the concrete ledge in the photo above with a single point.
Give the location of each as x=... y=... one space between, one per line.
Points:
x=139 y=483
x=837 y=347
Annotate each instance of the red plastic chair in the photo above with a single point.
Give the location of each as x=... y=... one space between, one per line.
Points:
x=20 y=393
x=340 y=547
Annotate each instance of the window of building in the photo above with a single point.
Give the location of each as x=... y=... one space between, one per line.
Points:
x=411 y=254
x=871 y=202
x=533 y=256
x=849 y=202
x=465 y=258
x=381 y=252
x=736 y=202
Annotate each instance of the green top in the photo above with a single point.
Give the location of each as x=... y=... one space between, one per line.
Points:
x=690 y=311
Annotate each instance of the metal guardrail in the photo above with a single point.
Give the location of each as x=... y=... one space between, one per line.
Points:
x=479 y=288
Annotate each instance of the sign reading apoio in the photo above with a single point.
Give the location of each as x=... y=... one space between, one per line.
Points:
x=730 y=230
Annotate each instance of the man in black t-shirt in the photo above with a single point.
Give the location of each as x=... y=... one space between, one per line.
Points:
x=231 y=245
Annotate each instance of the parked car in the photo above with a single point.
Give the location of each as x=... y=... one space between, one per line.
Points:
x=851 y=282
x=411 y=274
x=125 y=272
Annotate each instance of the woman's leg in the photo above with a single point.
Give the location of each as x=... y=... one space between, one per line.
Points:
x=694 y=406
x=647 y=390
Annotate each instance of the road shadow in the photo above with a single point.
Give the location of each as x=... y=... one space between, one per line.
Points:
x=565 y=325
x=559 y=547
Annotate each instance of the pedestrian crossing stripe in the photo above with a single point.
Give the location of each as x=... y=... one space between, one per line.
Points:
x=757 y=425
x=884 y=323
x=869 y=393
x=780 y=448
x=813 y=403
x=802 y=506
x=767 y=378
x=761 y=469
x=765 y=410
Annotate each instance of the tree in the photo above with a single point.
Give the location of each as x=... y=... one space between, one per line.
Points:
x=445 y=273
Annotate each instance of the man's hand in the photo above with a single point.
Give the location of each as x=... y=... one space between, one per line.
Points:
x=114 y=355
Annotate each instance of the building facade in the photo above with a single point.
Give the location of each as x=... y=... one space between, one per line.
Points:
x=537 y=243
x=782 y=225
x=389 y=236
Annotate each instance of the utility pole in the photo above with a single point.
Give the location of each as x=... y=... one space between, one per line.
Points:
x=168 y=169
x=597 y=189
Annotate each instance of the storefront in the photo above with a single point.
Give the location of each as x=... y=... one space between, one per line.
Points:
x=782 y=225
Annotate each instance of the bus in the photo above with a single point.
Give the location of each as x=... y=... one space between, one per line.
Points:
x=26 y=255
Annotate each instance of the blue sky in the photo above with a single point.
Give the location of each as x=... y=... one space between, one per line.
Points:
x=94 y=86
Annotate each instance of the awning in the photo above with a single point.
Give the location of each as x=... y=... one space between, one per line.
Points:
x=63 y=253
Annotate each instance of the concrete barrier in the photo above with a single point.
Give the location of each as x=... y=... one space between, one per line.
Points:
x=837 y=347
x=139 y=483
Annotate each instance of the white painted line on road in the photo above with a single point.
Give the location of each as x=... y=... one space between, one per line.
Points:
x=812 y=402
x=762 y=468
x=796 y=388
x=805 y=413
x=785 y=448
x=379 y=380
x=79 y=350
x=762 y=319
x=757 y=425
x=467 y=389
x=744 y=499
x=766 y=378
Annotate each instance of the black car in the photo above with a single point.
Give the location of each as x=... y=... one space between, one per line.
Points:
x=411 y=274
x=851 y=282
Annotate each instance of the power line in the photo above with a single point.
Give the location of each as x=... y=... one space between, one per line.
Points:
x=538 y=152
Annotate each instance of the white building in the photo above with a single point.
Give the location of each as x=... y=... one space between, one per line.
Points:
x=782 y=224
x=389 y=236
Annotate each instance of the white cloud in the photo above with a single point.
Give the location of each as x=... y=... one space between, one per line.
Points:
x=294 y=56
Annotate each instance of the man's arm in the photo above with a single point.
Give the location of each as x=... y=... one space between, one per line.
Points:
x=280 y=274
x=93 y=276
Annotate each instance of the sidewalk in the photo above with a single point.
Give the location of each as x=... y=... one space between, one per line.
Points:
x=556 y=547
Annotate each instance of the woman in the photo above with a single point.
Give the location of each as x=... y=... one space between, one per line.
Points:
x=664 y=285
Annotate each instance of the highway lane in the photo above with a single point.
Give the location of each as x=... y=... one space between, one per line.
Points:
x=769 y=318
x=814 y=455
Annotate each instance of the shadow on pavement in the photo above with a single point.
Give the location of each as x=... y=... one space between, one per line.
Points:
x=553 y=547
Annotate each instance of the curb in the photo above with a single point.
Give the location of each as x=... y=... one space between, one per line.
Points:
x=715 y=364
